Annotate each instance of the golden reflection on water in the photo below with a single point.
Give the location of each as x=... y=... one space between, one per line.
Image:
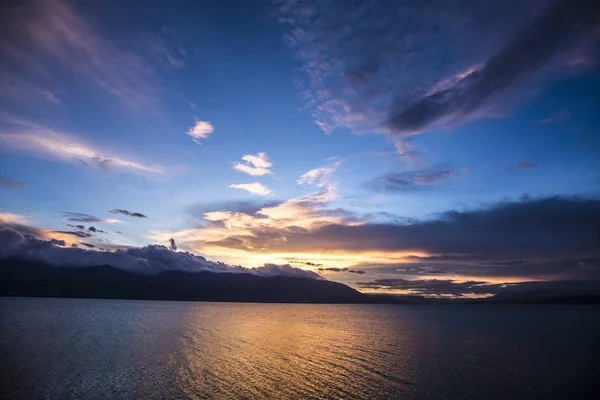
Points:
x=286 y=351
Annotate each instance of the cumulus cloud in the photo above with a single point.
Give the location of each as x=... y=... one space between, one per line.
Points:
x=254 y=164
x=254 y=188
x=44 y=142
x=521 y=166
x=10 y=183
x=374 y=66
x=319 y=176
x=151 y=259
x=128 y=213
x=408 y=181
x=200 y=130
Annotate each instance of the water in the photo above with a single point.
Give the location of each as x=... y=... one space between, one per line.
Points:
x=92 y=349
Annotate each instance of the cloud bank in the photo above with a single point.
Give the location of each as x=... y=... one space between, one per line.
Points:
x=151 y=259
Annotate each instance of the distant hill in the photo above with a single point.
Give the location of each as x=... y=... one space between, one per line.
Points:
x=24 y=278
x=35 y=279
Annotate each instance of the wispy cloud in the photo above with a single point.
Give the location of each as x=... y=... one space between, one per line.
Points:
x=521 y=166
x=560 y=116
x=200 y=130
x=254 y=188
x=374 y=66
x=81 y=217
x=45 y=142
x=402 y=182
x=320 y=176
x=128 y=213
x=57 y=29
x=254 y=164
x=10 y=183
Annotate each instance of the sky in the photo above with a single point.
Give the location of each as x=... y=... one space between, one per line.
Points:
x=443 y=148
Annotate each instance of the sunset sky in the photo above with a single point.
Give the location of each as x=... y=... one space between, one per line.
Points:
x=438 y=148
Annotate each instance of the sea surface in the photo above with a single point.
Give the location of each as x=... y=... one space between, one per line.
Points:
x=121 y=349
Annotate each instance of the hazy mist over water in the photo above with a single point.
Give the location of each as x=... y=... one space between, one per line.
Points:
x=91 y=349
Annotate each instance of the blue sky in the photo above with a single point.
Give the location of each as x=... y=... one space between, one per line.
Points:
x=347 y=113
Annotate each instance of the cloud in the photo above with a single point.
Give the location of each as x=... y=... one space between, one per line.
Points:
x=521 y=166
x=348 y=270
x=45 y=142
x=541 y=227
x=128 y=213
x=319 y=176
x=10 y=183
x=408 y=181
x=374 y=66
x=254 y=188
x=10 y=218
x=80 y=234
x=454 y=288
x=87 y=244
x=200 y=130
x=254 y=164
x=56 y=30
x=165 y=47
x=527 y=239
x=94 y=229
x=560 y=116
x=79 y=227
x=172 y=244
x=151 y=259
x=249 y=207
x=81 y=217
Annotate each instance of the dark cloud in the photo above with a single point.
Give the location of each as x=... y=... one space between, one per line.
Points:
x=310 y=264
x=521 y=166
x=546 y=225
x=80 y=234
x=10 y=183
x=128 y=213
x=172 y=244
x=453 y=288
x=400 y=66
x=87 y=244
x=409 y=181
x=151 y=259
x=94 y=229
x=348 y=270
x=558 y=29
x=79 y=227
x=80 y=217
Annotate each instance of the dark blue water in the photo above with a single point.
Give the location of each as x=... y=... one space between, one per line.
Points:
x=95 y=349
